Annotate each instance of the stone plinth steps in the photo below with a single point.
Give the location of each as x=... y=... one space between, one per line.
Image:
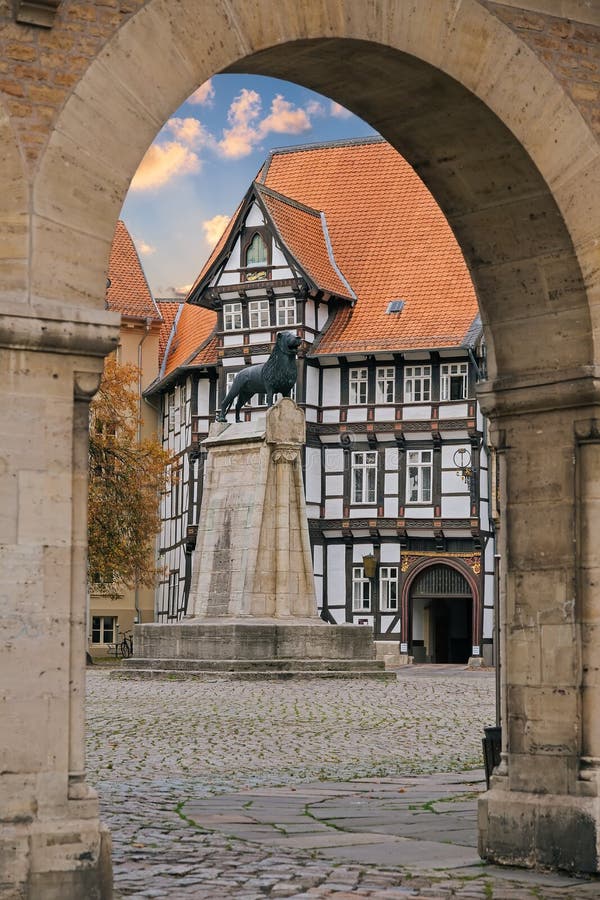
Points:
x=252 y=606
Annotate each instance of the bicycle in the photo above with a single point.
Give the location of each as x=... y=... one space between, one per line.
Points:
x=123 y=647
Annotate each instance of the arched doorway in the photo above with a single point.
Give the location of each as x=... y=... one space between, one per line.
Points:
x=441 y=615
x=515 y=167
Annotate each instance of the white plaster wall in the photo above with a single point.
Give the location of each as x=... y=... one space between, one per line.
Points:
x=336 y=575
x=334 y=459
x=390 y=483
x=318 y=559
x=331 y=415
x=390 y=552
x=453 y=410
x=312 y=385
x=416 y=412
x=456 y=507
x=331 y=387
x=334 y=485
x=362 y=512
x=322 y=316
x=385 y=413
x=390 y=507
x=360 y=550
x=391 y=458
x=420 y=512
x=453 y=484
x=254 y=217
x=310 y=314
x=203 y=393
x=357 y=414
x=312 y=475
x=488 y=622
x=232 y=340
x=334 y=509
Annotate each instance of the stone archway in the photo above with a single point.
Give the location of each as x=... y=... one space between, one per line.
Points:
x=516 y=170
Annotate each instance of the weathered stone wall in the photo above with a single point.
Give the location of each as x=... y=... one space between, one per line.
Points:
x=39 y=66
x=570 y=49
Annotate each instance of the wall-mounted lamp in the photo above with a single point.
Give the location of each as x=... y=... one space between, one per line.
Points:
x=370 y=565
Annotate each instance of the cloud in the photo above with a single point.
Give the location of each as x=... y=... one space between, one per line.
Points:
x=162 y=163
x=247 y=129
x=338 y=111
x=285 y=118
x=190 y=131
x=314 y=108
x=204 y=95
x=214 y=228
x=182 y=291
x=143 y=248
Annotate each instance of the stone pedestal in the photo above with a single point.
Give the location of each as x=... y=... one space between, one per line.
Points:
x=252 y=606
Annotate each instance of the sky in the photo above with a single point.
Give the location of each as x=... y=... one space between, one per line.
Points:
x=204 y=159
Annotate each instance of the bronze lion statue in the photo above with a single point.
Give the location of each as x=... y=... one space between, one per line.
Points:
x=275 y=376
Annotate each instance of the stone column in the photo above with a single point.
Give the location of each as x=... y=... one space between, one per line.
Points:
x=543 y=806
x=51 y=842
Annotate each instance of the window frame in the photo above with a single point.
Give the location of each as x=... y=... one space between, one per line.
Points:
x=358 y=386
x=388 y=579
x=361 y=604
x=369 y=470
x=263 y=306
x=114 y=631
x=286 y=305
x=390 y=379
x=232 y=316
x=447 y=377
x=412 y=378
x=420 y=466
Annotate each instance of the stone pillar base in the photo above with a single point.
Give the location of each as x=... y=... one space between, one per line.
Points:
x=62 y=860
x=255 y=648
x=539 y=830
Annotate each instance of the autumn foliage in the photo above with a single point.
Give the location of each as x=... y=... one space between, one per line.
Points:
x=125 y=480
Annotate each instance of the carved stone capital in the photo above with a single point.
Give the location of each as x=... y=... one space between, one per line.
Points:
x=85 y=384
x=285 y=455
x=96 y=335
x=540 y=392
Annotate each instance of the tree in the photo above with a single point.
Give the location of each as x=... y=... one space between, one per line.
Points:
x=126 y=477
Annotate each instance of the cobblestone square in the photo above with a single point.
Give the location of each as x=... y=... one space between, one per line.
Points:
x=242 y=789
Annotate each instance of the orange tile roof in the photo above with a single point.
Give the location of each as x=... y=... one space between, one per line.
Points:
x=168 y=309
x=390 y=240
x=302 y=230
x=190 y=342
x=128 y=292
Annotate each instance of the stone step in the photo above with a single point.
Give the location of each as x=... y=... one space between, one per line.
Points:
x=251 y=665
x=130 y=672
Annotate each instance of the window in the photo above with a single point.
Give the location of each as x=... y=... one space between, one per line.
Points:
x=104 y=629
x=232 y=316
x=256 y=254
x=258 y=311
x=229 y=376
x=418 y=476
x=385 y=384
x=388 y=588
x=417 y=384
x=454 y=381
x=364 y=477
x=286 y=310
x=173 y=594
x=358 y=380
x=361 y=590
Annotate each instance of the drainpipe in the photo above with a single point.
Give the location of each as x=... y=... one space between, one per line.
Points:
x=138 y=615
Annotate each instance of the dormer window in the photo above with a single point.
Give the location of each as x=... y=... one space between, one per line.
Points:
x=256 y=258
x=256 y=255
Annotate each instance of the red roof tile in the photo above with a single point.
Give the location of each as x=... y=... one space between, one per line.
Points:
x=190 y=344
x=128 y=292
x=302 y=231
x=390 y=240
x=168 y=310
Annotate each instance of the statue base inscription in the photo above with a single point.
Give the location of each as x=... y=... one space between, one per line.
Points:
x=252 y=609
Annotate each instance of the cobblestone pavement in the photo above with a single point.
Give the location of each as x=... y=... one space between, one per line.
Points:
x=187 y=769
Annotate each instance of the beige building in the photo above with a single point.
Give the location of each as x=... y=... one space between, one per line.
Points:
x=127 y=292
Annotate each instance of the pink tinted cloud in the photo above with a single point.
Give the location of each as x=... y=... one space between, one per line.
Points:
x=204 y=95
x=338 y=111
x=214 y=228
x=162 y=163
x=247 y=129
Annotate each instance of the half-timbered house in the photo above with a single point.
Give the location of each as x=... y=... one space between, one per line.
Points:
x=343 y=244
